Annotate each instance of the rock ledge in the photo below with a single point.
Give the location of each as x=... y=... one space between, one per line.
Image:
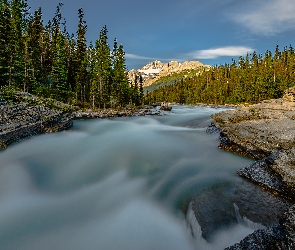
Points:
x=265 y=132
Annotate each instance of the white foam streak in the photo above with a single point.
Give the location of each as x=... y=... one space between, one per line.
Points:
x=245 y=221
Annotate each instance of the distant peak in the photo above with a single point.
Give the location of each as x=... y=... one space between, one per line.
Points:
x=153 y=70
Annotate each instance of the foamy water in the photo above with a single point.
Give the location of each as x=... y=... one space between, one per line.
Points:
x=115 y=184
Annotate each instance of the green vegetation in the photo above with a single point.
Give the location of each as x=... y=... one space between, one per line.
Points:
x=173 y=78
x=47 y=61
x=250 y=80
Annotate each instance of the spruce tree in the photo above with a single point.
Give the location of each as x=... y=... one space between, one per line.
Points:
x=103 y=68
x=80 y=65
x=71 y=67
x=141 y=93
x=5 y=43
x=46 y=62
x=121 y=86
x=50 y=62
x=59 y=70
x=18 y=25
x=35 y=34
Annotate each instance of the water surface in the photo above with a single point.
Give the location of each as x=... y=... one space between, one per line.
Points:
x=122 y=183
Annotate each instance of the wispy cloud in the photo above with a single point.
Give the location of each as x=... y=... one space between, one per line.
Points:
x=214 y=53
x=268 y=17
x=137 y=57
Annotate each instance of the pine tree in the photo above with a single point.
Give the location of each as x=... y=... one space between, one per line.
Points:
x=59 y=70
x=121 y=86
x=135 y=98
x=19 y=24
x=91 y=63
x=103 y=68
x=71 y=65
x=50 y=62
x=35 y=34
x=46 y=61
x=141 y=93
x=80 y=67
x=5 y=46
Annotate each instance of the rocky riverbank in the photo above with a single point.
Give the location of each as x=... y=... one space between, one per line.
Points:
x=265 y=132
x=22 y=120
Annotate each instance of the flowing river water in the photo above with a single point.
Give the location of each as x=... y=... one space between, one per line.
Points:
x=122 y=183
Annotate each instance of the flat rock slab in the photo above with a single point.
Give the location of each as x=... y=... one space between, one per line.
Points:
x=262 y=129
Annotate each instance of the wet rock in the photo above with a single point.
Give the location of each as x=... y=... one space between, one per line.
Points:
x=212 y=129
x=288 y=224
x=277 y=237
x=226 y=204
x=261 y=172
x=108 y=113
x=166 y=108
x=228 y=145
x=2 y=101
x=270 y=238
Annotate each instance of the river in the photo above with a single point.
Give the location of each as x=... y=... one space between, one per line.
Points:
x=122 y=183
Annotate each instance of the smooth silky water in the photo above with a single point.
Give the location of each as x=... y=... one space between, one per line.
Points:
x=119 y=183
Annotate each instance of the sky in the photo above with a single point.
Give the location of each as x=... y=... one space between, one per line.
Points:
x=210 y=31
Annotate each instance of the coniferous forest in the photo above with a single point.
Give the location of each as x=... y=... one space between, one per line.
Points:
x=250 y=80
x=48 y=61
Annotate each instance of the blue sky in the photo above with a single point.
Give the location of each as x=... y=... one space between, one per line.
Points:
x=210 y=31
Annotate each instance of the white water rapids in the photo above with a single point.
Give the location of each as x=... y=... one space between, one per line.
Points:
x=115 y=184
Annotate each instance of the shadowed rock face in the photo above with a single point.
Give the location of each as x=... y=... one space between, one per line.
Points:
x=278 y=237
x=265 y=132
x=24 y=120
x=226 y=203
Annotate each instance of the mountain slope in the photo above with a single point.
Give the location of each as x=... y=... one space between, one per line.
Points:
x=173 y=78
x=156 y=74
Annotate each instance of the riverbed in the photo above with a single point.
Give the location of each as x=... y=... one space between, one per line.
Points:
x=120 y=183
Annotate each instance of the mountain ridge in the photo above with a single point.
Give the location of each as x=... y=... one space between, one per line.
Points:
x=153 y=71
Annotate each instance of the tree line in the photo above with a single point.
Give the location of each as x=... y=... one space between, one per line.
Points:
x=48 y=61
x=251 y=79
